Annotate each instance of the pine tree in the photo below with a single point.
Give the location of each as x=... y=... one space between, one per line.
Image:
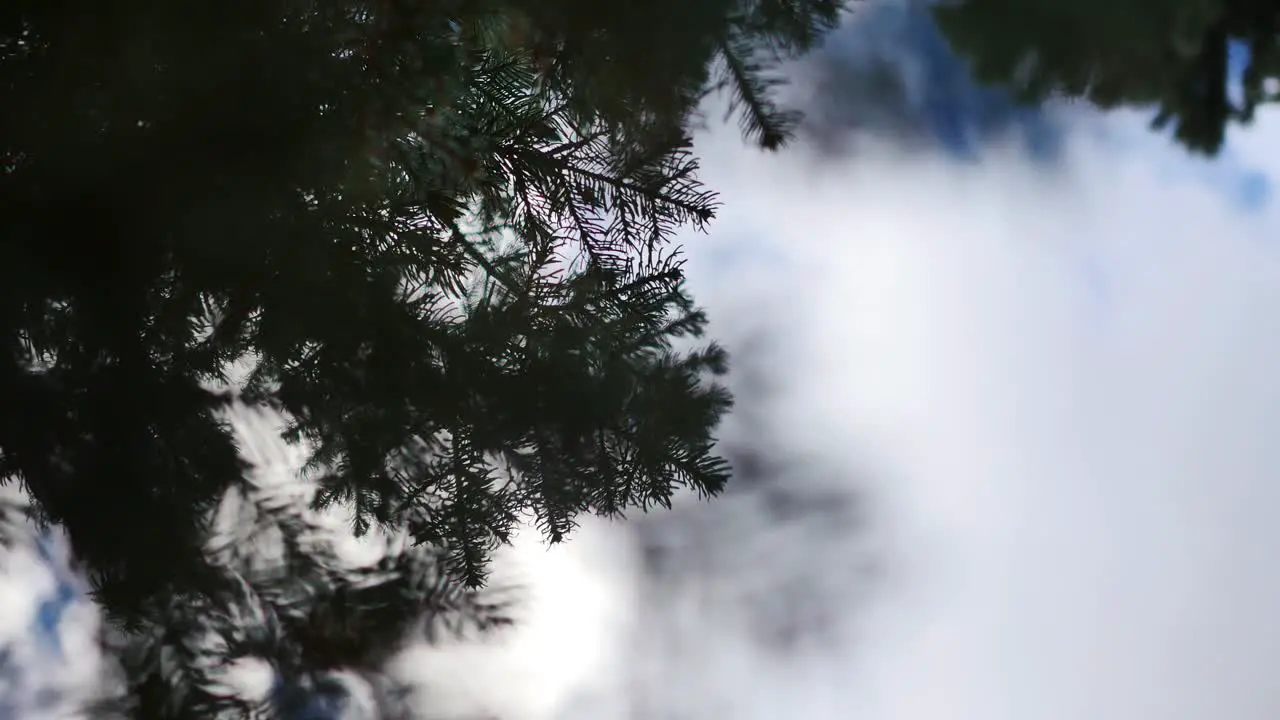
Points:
x=288 y=599
x=437 y=235
x=1172 y=56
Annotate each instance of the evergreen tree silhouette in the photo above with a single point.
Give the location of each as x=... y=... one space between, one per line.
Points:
x=434 y=236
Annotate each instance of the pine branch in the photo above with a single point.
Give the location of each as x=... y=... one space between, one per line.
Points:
x=745 y=77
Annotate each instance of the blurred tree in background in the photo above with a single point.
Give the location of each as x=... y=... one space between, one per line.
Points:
x=434 y=236
x=1171 y=55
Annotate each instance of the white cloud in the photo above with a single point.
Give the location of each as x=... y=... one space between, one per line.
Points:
x=48 y=629
x=1058 y=389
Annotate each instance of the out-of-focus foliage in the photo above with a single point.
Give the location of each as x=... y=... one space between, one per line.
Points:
x=1170 y=55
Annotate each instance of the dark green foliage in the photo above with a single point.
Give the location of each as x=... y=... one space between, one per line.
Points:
x=281 y=592
x=752 y=46
x=1149 y=53
x=436 y=234
x=305 y=611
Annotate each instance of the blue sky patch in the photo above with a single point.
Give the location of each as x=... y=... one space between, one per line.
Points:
x=891 y=73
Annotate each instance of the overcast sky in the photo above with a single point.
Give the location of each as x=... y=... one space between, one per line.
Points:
x=1008 y=428
x=1048 y=380
x=1052 y=389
